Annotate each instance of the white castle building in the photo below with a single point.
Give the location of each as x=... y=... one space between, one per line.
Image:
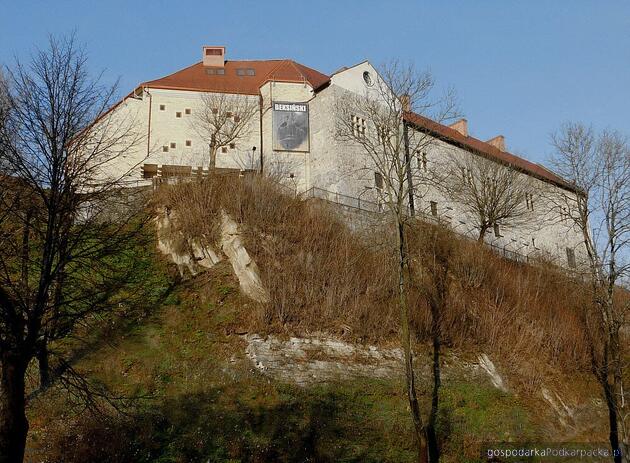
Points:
x=293 y=132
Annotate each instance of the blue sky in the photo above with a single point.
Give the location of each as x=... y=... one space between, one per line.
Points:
x=520 y=68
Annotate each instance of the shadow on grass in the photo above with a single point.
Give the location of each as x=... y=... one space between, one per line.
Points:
x=287 y=424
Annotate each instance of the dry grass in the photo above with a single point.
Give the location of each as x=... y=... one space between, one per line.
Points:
x=323 y=277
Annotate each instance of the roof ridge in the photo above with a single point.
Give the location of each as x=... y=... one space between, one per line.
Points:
x=299 y=71
x=171 y=74
x=487 y=149
x=270 y=73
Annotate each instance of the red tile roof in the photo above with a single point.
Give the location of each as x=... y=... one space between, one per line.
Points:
x=487 y=150
x=195 y=77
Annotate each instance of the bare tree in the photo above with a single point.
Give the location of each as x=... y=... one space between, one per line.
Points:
x=67 y=224
x=375 y=123
x=224 y=119
x=489 y=192
x=599 y=166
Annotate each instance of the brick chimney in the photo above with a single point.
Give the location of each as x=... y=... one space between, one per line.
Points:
x=461 y=126
x=405 y=101
x=214 y=56
x=497 y=142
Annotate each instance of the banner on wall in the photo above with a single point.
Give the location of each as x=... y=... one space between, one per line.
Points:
x=290 y=127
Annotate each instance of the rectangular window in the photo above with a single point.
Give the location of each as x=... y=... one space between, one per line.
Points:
x=215 y=71
x=173 y=145
x=422 y=161
x=178 y=114
x=497 y=230
x=187 y=111
x=358 y=126
x=214 y=51
x=162 y=107
x=378 y=180
x=529 y=200
x=571 y=258
x=188 y=143
x=232 y=146
x=245 y=72
x=434 y=209
x=165 y=149
x=228 y=114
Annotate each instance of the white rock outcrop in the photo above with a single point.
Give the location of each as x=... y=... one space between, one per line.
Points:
x=486 y=365
x=193 y=255
x=244 y=267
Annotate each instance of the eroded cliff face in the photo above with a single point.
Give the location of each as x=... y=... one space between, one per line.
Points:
x=193 y=255
x=568 y=412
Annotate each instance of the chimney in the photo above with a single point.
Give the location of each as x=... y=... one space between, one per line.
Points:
x=405 y=101
x=461 y=126
x=497 y=142
x=214 y=56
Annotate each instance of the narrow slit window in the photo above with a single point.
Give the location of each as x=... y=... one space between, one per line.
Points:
x=434 y=208
x=571 y=258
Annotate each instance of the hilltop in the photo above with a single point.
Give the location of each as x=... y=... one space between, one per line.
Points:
x=269 y=333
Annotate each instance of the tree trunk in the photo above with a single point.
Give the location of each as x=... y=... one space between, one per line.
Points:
x=44 y=367
x=212 y=162
x=611 y=403
x=482 y=233
x=406 y=344
x=13 y=422
x=434 y=451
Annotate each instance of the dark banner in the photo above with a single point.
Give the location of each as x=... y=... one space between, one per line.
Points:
x=290 y=127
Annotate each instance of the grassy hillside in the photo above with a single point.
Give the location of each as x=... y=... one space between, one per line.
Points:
x=198 y=397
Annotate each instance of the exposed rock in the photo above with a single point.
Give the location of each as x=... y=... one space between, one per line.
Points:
x=311 y=360
x=486 y=365
x=193 y=255
x=564 y=413
x=244 y=267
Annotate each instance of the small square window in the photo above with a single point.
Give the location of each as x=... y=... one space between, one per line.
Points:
x=165 y=149
x=232 y=146
x=237 y=119
x=187 y=111
x=215 y=111
x=228 y=114
x=224 y=149
x=173 y=145
x=162 y=107
x=188 y=143
x=178 y=114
